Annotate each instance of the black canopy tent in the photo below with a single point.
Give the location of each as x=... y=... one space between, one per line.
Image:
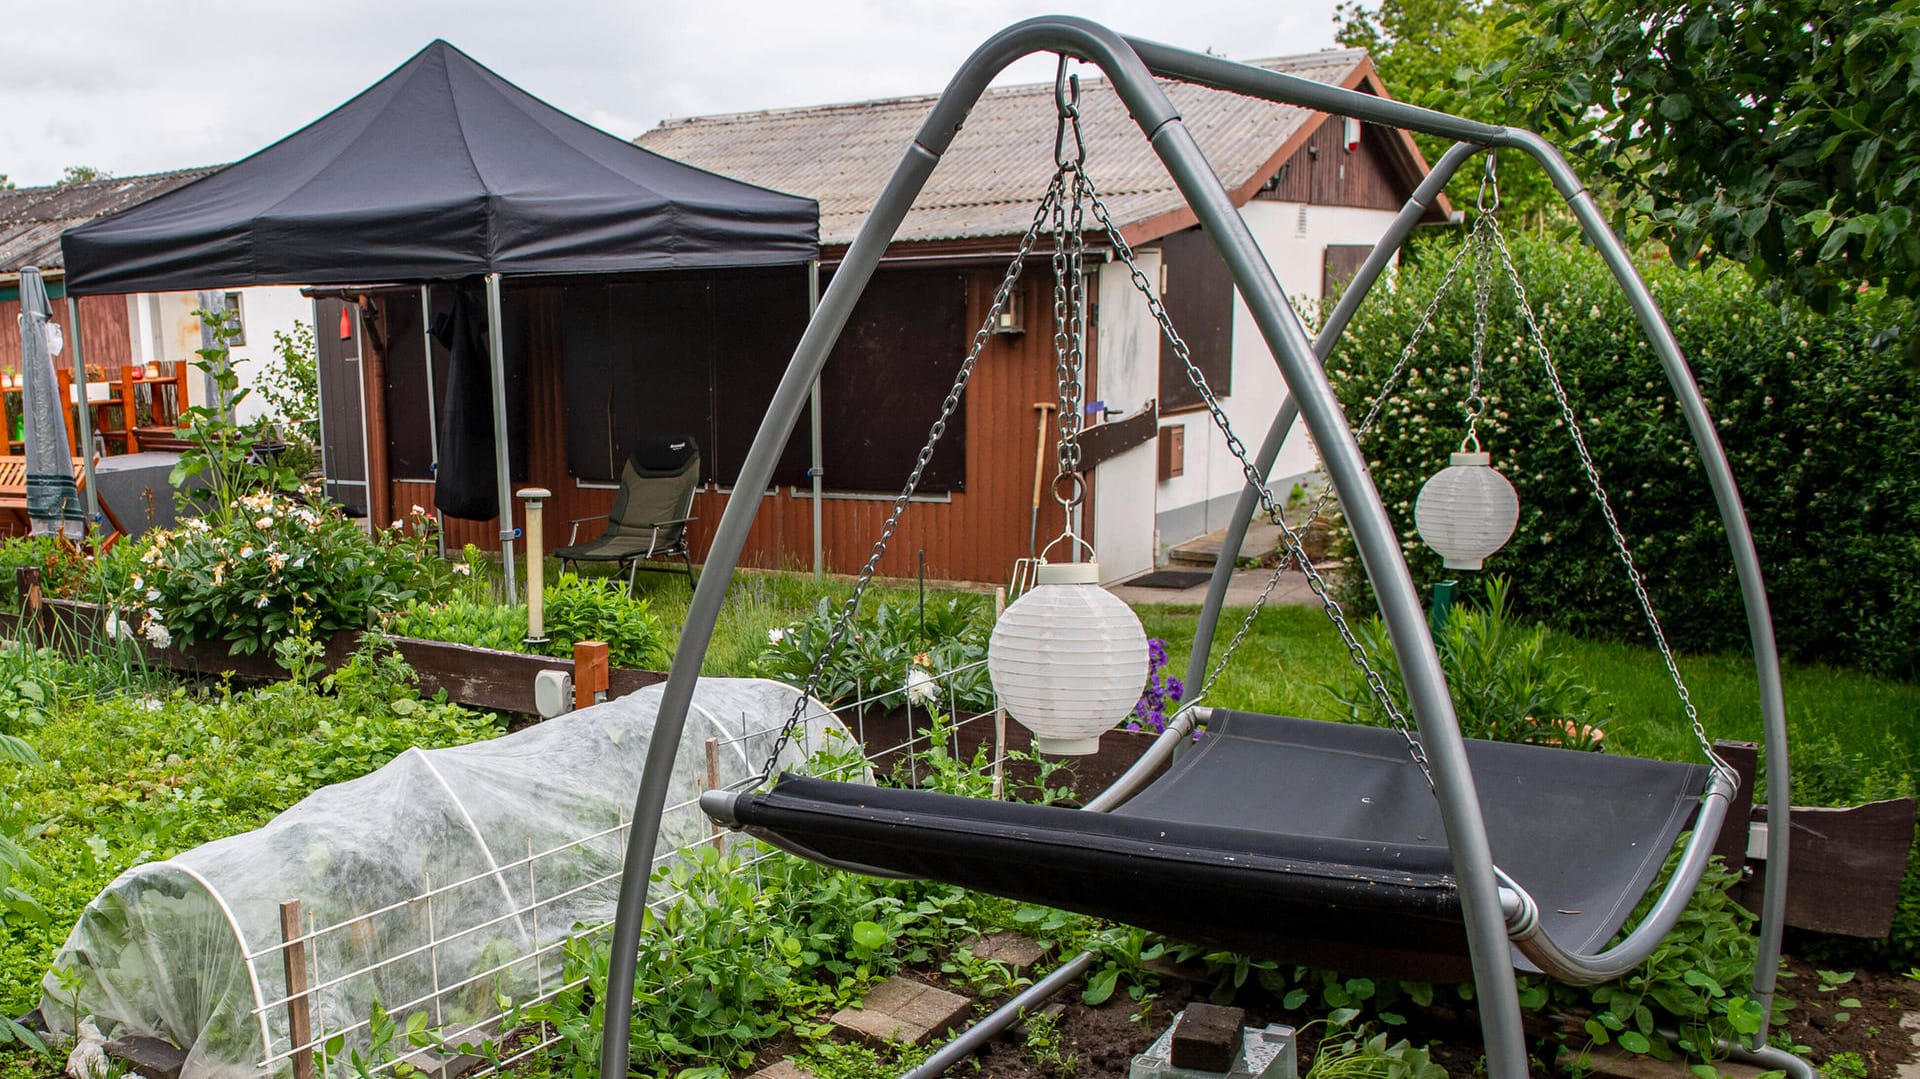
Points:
x=441 y=170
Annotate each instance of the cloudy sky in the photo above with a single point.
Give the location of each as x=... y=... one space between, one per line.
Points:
x=133 y=86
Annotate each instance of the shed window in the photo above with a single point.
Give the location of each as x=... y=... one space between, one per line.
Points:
x=886 y=380
x=1198 y=294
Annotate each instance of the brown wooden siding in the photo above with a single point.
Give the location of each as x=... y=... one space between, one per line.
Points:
x=1323 y=173
x=106 y=339
x=974 y=537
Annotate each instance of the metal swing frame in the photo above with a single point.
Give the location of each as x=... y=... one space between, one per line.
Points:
x=1130 y=66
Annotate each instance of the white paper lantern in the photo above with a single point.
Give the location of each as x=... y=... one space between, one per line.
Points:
x=1068 y=659
x=1467 y=511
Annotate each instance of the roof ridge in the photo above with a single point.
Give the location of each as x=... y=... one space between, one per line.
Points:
x=923 y=99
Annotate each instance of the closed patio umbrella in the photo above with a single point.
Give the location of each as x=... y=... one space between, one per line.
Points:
x=53 y=499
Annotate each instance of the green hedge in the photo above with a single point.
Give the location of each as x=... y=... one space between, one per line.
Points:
x=1817 y=414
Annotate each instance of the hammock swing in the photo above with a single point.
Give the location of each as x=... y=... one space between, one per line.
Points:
x=1408 y=850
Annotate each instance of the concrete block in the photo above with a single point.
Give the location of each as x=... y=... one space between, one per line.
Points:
x=782 y=1069
x=1206 y=1037
x=902 y=1011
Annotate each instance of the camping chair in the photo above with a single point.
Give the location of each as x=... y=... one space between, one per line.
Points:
x=650 y=514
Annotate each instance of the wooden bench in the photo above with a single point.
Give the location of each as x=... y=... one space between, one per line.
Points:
x=13 y=489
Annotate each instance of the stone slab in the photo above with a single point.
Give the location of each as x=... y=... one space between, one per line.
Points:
x=902 y=1011
x=150 y=1057
x=1615 y=1064
x=782 y=1069
x=1018 y=951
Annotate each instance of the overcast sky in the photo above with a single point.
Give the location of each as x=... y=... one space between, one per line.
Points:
x=134 y=86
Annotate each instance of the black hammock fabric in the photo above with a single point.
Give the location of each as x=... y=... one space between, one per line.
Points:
x=1300 y=840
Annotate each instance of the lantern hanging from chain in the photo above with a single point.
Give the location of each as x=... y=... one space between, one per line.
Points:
x=1468 y=510
x=1068 y=658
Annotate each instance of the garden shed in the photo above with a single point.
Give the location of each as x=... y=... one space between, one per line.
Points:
x=437 y=883
x=443 y=172
x=1317 y=191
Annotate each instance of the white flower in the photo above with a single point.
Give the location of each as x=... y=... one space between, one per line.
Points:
x=152 y=704
x=158 y=635
x=262 y=601
x=246 y=552
x=138 y=581
x=263 y=523
x=118 y=627
x=921 y=688
x=776 y=635
x=153 y=595
x=458 y=567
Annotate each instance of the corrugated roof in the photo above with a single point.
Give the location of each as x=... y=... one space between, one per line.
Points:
x=32 y=218
x=990 y=180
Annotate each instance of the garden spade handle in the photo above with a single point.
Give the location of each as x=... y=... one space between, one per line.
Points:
x=1039 y=471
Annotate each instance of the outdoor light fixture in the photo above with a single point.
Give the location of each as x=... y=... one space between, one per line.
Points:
x=1068 y=659
x=1467 y=511
x=1012 y=317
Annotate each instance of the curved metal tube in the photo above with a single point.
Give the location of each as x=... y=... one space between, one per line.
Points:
x=1179 y=728
x=1582 y=969
x=1733 y=517
x=1358 y=288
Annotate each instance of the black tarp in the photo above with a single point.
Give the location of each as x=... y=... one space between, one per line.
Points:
x=1294 y=839
x=442 y=169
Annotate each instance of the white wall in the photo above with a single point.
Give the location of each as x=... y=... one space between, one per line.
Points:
x=1131 y=506
x=165 y=330
x=1127 y=348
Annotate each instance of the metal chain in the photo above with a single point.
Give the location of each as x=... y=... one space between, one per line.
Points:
x=1539 y=342
x=1481 y=243
x=1376 y=685
x=1055 y=192
x=1374 y=408
x=1069 y=290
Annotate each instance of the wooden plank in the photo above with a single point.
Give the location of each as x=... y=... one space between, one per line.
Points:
x=1844 y=867
x=1743 y=757
x=1105 y=441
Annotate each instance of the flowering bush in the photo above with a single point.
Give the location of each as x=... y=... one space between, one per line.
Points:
x=269 y=567
x=1816 y=413
x=1162 y=693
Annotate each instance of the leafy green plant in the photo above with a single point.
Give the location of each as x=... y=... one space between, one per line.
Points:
x=1046 y=1045
x=1356 y=1054
x=1508 y=684
x=577 y=609
x=875 y=655
x=262 y=570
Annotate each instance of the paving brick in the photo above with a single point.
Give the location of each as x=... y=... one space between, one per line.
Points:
x=1614 y=1064
x=782 y=1069
x=1018 y=951
x=902 y=1011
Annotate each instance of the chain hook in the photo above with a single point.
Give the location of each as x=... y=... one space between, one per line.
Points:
x=1490 y=184
x=1066 y=102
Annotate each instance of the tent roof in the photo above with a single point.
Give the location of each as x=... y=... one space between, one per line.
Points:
x=441 y=169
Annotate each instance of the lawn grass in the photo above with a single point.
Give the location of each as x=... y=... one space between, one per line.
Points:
x=1835 y=717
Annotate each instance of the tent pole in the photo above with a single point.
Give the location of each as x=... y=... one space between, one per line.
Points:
x=433 y=417
x=502 y=468
x=85 y=449
x=816 y=471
